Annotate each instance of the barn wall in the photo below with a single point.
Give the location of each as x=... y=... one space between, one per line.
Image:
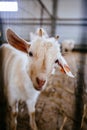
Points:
x=69 y=20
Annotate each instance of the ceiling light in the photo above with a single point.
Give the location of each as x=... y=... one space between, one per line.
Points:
x=8 y=6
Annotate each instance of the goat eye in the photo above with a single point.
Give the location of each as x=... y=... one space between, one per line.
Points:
x=30 y=54
x=56 y=61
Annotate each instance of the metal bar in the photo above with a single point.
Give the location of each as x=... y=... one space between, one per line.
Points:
x=79 y=104
x=53 y=26
x=3 y=104
x=44 y=7
x=1 y=32
x=44 y=23
x=41 y=21
x=45 y=19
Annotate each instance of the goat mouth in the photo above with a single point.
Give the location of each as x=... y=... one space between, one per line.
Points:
x=39 y=88
x=39 y=84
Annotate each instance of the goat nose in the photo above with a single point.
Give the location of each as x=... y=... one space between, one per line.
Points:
x=40 y=82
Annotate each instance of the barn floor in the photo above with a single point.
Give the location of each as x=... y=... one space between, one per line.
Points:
x=56 y=108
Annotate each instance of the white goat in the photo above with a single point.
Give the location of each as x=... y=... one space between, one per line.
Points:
x=26 y=68
x=67 y=45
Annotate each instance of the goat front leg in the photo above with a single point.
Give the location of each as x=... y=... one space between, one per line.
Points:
x=13 y=116
x=31 y=111
x=32 y=121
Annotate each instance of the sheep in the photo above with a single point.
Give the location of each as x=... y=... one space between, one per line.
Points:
x=67 y=45
x=26 y=68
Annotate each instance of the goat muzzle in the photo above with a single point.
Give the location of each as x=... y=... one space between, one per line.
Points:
x=40 y=83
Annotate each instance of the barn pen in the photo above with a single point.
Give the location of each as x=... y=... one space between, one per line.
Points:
x=62 y=105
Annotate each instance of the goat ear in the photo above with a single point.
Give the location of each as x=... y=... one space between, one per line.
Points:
x=17 y=42
x=64 y=66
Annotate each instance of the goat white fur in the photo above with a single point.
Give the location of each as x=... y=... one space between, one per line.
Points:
x=26 y=68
